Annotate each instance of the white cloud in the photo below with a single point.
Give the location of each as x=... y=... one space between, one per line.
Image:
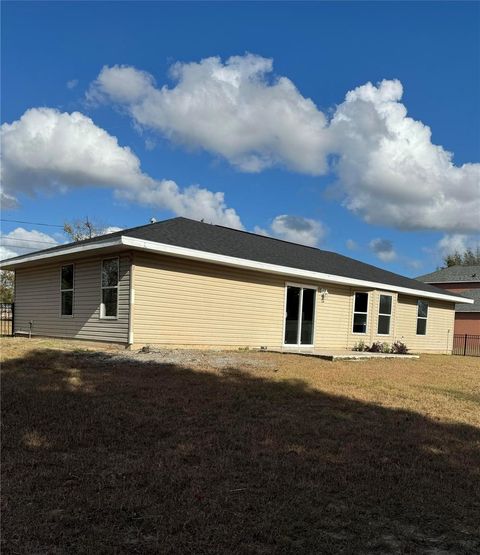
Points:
x=235 y=109
x=457 y=242
x=383 y=249
x=150 y=144
x=392 y=173
x=72 y=83
x=295 y=229
x=21 y=241
x=46 y=150
x=111 y=229
x=7 y=201
x=121 y=84
x=191 y=202
x=351 y=245
x=387 y=166
x=413 y=263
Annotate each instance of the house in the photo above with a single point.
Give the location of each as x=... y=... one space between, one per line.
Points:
x=181 y=283
x=464 y=280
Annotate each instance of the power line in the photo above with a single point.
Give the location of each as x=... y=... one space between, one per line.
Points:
x=4 y=238
x=32 y=223
x=15 y=247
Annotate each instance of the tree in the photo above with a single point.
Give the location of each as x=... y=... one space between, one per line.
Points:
x=7 y=278
x=466 y=258
x=82 y=229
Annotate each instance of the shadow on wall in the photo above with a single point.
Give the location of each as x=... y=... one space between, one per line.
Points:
x=42 y=306
x=104 y=455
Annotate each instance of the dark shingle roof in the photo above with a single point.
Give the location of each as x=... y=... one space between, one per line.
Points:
x=221 y=240
x=454 y=274
x=471 y=294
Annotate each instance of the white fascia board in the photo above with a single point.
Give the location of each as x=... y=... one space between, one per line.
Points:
x=183 y=252
x=78 y=249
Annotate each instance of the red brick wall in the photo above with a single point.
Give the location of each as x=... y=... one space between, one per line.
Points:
x=467 y=323
x=458 y=287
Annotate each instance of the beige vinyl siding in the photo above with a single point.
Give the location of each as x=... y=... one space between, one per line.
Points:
x=333 y=320
x=440 y=324
x=184 y=302
x=180 y=302
x=187 y=303
x=37 y=299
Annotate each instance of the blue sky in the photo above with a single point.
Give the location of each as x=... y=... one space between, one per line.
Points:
x=292 y=157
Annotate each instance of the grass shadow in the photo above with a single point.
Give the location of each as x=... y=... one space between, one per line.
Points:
x=108 y=455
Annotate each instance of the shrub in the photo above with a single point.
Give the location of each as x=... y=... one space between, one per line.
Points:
x=386 y=348
x=376 y=347
x=399 y=348
x=360 y=346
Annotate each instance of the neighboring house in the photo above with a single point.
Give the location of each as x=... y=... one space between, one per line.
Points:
x=186 y=283
x=464 y=280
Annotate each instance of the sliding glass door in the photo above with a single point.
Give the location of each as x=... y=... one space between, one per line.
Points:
x=299 y=315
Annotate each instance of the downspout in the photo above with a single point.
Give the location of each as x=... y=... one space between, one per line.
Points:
x=131 y=301
x=14 y=301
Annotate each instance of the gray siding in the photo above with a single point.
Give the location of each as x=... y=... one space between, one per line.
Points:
x=37 y=298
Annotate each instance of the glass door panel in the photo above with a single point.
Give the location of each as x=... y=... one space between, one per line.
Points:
x=308 y=311
x=292 y=310
x=299 y=316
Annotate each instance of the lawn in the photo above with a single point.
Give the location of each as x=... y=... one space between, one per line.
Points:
x=206 y=453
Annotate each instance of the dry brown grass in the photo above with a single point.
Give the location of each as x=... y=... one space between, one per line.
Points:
x=262 y=453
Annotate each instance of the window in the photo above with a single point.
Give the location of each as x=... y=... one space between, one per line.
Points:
x=109 y=306
x=360 y=313
x=384 y=314
x=66 y=290
x=422 y=313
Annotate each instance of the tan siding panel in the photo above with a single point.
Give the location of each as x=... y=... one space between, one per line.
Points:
x=37 y=299
x=440 y=325
x=181 y=302
x=192 y=303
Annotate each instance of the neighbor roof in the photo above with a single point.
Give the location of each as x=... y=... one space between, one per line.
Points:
x=453 y=274
x=471 y=294
x=226 y=244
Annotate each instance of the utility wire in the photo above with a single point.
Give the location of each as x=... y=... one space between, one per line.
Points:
x=32 y=223
x=22 y=247
x=4 y=238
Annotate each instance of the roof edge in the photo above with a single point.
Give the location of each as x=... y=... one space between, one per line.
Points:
x=450 y=281
x=12 y=263
x=225 y=260
x=193 y=254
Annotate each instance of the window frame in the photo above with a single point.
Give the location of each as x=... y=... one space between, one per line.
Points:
x=357 y=312
x=383 y=314
x=102 y=315
x=67 y=290
x=301 y=286
x=422 y=318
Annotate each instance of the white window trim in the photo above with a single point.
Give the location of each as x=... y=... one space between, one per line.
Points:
x=64 y=290
x=297 y=345
x=383 y=314
x=362 y=333
x=117 y=287
x=422 y=318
